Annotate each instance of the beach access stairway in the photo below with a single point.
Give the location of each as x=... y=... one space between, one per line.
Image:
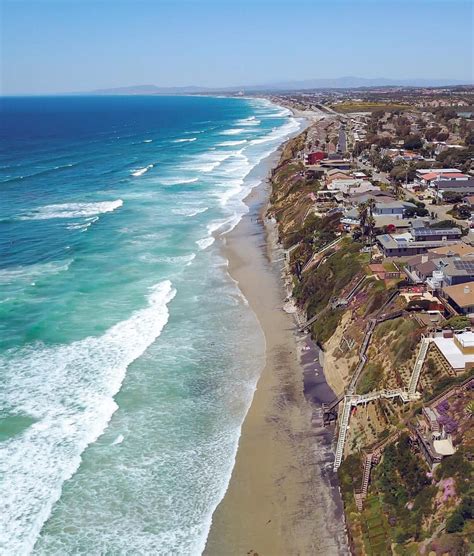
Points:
x=287 y=252
x=353 y=400
x=420 y=359
x=343 y=425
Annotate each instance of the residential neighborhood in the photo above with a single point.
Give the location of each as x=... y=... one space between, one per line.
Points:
x=373 y=206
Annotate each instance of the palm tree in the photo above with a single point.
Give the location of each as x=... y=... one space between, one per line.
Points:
x=363 y=210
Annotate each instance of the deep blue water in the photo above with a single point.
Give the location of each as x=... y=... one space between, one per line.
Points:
x=128 y=357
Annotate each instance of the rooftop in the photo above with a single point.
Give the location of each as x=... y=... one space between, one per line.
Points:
x=424 y=171
x=455 y=357
x=444 y=447
x=455 y=249
x=461 y=294
x=427 y=232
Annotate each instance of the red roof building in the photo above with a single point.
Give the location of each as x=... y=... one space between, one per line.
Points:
x=316 y=156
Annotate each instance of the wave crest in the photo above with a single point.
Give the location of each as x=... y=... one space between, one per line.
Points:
x=71 y=410
x=72 y=210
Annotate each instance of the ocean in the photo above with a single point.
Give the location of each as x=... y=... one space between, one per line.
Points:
x=128 y=356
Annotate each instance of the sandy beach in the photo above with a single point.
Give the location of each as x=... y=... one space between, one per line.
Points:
x=282 y=498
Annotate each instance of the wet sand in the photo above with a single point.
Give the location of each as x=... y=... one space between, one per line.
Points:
x=282 y=499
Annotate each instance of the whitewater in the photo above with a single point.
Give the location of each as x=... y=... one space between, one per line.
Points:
x=128 y=357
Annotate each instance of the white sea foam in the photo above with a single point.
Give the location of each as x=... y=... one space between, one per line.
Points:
x=232 y=143
x=178 y=181
x=120 y=438
x=71 y=409
x=280 y=114
x=209 y=161
x=248 y=121
x=72 y=210
x=278 y=133
x=205 y=242
x=190 y=211
x=187 y=140
x=233 y=131
x=148 y=140
x=154 y=259
x=21 y=274
x=83 y=226
x=142 y=171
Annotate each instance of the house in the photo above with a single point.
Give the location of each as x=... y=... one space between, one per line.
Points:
x=420 y=267
x=392 y=222
x=315 y=157
x=336 y=164
x=457 y=350
x=424 y=171
x=436 y=234
x=407 y=244
x=461 y=297
x=461 y=187
x=392 y=208
x=325 y=195
x=444 y=266
x=347 y=186
x=429 y=179
x=458 y=249
x=356 y=198
x=335 y=174
x=456 y=270
x=351 y=218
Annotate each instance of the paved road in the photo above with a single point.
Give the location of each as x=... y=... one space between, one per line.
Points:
x=342 y=143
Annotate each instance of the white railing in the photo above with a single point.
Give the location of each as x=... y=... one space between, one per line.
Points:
x=346 y=412
x=415 y=376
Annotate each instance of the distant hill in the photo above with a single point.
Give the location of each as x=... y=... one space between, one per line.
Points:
x=351 y=82
x=309 y=84
x=148 y=90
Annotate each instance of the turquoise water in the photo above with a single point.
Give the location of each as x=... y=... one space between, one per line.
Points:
x=128 y=357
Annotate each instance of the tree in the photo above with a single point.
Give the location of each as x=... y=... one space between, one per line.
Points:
x=442 y=136
x=412 y=142
x=367 y=221
x=431 y=133
x=455 y=522
x=463 y=212
x=385 y=164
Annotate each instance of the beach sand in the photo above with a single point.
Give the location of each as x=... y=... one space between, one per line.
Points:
x=282 y=498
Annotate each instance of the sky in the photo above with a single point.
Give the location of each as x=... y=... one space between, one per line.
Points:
x=54 y=46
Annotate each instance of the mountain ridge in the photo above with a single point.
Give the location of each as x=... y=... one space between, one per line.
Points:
x=346 y=82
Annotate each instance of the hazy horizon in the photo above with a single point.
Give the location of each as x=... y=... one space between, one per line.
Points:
x=54 y=47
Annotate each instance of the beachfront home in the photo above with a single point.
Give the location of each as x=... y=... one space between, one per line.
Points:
x=444 y=266
x=456 y=349
x=351 y=186
x=336 y=174
x=417 y=241
x=356 y=198
x=315 y=157
x=461 y=297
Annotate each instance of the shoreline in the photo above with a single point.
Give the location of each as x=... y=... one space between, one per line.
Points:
x=282 y=497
